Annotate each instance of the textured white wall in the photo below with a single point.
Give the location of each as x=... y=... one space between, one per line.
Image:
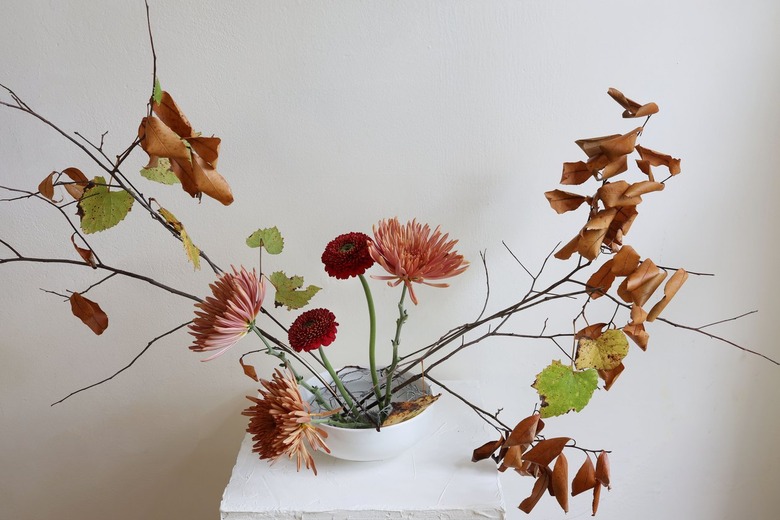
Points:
x=336 y=114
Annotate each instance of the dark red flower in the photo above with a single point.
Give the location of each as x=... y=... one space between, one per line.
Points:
x=347 y=255
x=313 y=329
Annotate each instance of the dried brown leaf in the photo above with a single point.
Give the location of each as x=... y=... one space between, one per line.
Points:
x=613 y=195
x=625 y=261
x=249 y=370
x=637 y=333
x=512 y=458
x=157 y=139
x=632 y=108
x=206 y=147
x=643 y=282
x=560 y=482
x=210 y=182
x=569 y=249
x=86 y=254
x=600 y=281
x=76 y=190
x=538 y=490
x=89 y=312
x=610 y=376
x=614 y=168
x=640 y=188
x=592 y=235
x=170 y=114
x=486 y=450
x=619 y=227
x=563 y=201
x=659 y=159
x=592 y=145
x=408 y=409
x=46 y=187
x=591 y=331
x=575 y=173
x=638 y=314
x=602 y=469
x=596 y=497
x=585 y=478
x=545 y=451
x=670 y=289
x=619 y=146
x=644 y=167
x=524 y=432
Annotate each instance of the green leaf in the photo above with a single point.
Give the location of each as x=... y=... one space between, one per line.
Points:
x=101 y=209
x=270 y=238
x=159 y=170
x=157 y=93
x=562 y=390
x=289 y=292
x=604 y=353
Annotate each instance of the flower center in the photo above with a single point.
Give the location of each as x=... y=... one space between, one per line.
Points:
x=346 y=247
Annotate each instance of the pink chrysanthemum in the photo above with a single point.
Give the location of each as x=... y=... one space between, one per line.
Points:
x=312 y=329
x=411 y=253
x=226 y=317
x=347 y=255
x=280 y=422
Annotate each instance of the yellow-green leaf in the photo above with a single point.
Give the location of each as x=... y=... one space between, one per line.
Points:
x=289 y=292
x=101 y=209
x=190 y=249
x=159 y=170
x=604 y=353
x=269 y=238
x=562 y=390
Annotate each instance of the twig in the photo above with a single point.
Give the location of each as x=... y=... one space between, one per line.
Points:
x=126 y=366
x=482 y=256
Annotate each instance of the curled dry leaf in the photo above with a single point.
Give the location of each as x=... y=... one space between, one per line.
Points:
x=560 y=482
x=614 y=168
x=524 y=432
x=610 y=376
x=619 y=227
x=545 y=451
x=408 y=409
x=540 y=486
x=249 y=370
x=513 y=458
x=89 y=312
x=486 y=450
x=80 y=182
x=585 y=478
x=659 y=159
x=637 y=333
x=563 y=201
x=600 y=281
x=632 y=108
x=569 y=249
x=206 y=147
x=170 y=114
x=592 y=235
x=86 y=254
x=602 y=469
x=625 y=261
x=159 y=140
x=644 y=167
x=591 y=331
x=46 y=187
x=613 y=195
x=642 y=283
x=596 y=497
x=642 y=187
x=575 y=173
x=670 y=289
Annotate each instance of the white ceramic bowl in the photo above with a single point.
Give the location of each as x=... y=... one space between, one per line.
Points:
x=367 y=444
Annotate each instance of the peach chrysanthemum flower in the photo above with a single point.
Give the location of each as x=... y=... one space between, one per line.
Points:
x=410 y=253
x=280 y=422
x=224 y=318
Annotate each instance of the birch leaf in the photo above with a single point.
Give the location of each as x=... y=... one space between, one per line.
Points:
x=46 y=187
x=159 y=140
x=575 y=173
x=289 y=292
x=172 y=116
x=560 y=482
x=659 y=159
x=80 y=180
x=406 y=410
x=625 y=261
x=545 y=451
x=190 y=249
x=249 y=370
x=632 y=108
x=562 y=390
x=157 y=91
x=585 y=478
x=563 y=201
x=592 y=235
x=643 y=282
x=86 y=254
x=540 y=486
x=604 y=353
x=486 y=450
x=101 y=209
x=602 y=469
x=89 y=313
x=159 y=170
x=600 y=281
x=610 y=376
x=670 y=289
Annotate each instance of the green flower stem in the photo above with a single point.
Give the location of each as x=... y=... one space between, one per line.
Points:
x=402 y=316
x=339 y=384
x=371 y=337
x=283 y=358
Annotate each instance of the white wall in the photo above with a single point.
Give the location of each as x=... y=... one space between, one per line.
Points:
x=336 y=114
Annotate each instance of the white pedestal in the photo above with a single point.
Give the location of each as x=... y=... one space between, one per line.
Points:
x=434 y=480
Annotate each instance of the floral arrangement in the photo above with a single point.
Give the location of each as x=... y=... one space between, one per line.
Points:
x=283 y=423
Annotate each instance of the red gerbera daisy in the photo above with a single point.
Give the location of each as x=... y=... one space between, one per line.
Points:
x=313 y=329
x=347 y=255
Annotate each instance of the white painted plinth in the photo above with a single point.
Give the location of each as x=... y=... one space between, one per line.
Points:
x=434 y=480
